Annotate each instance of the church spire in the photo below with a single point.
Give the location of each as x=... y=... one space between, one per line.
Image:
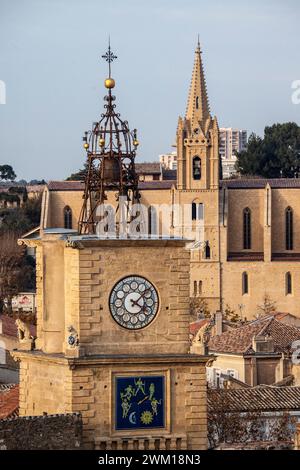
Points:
x=198 y=106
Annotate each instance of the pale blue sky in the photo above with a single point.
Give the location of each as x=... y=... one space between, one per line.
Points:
x=50 y=60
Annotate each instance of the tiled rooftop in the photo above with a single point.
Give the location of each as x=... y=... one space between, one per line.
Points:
x=148 y=168
x=239 y=341
x=257 y=183
x=260 y=398
x=9 y=401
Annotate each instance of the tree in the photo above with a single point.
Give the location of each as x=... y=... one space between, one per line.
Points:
x=268 y=307
x=21 y=219
x=230 y=314
x=7 y=173
x=225 y=426
x=11 y=260
x=79 y=175
x=199 y=308
x=275 y=155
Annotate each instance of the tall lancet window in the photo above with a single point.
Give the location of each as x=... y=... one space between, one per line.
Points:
x=197 y=102
x=247 y=228
x=196 y=168
x=67 y=217
x=288 y=283
x=289 y=235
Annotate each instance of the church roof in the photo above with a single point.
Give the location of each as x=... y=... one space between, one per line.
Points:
x=260 y=183
x=239 y=340
x=79 y=185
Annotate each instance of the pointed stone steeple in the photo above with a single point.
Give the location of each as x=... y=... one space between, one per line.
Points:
x=198 y=106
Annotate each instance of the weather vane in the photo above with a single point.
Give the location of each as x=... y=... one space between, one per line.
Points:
x=109 y=56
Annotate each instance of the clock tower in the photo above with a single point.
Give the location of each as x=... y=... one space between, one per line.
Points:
x=113 y=324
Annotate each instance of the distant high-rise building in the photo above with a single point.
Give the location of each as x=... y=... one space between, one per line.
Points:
x=231 y=141
x=169 y=161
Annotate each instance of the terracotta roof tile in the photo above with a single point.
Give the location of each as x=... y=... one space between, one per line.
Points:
x=148 y=168
x=196 y=325
x=66 y=185
x=79 y=185
x=261 y=398
x=9 y=402
x=260 y=183
x=239 y=341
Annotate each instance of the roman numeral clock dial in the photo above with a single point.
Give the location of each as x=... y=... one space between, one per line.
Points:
x=133 y=302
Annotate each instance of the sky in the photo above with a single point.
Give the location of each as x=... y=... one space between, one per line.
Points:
x=50 y=62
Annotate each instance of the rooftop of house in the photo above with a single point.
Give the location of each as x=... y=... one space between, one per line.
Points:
x=261 y=398
x=146 y=168
x=196 y=325
x=239 y=340
x=9 y=401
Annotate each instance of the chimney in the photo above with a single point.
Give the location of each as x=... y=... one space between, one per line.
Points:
x=218 y=323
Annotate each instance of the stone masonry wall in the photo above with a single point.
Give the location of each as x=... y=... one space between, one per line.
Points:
x=52 y=432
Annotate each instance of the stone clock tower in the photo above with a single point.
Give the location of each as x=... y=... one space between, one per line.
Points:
x=113 y=340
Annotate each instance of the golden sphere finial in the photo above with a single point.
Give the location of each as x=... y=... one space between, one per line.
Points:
x=86 y=145
x=109 y=83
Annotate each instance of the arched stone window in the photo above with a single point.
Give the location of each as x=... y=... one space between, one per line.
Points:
x=289 y=235
x=245 y=283
x=207 y=250
x=288 y=283
x=67 y=217
x=196 y=168
x=197 y=102
x=246 y=228
x=197 y=211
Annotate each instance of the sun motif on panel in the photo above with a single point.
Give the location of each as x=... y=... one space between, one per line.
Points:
x=146 y=417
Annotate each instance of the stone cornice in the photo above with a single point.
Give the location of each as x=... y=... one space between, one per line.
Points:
x=92 y=361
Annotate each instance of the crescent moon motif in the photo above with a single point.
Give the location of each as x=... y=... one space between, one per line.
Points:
x=132 y=418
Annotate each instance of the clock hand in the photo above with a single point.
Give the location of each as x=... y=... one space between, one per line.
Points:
x=136 y=302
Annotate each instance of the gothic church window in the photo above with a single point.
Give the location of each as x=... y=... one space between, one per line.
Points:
x=196 y=168
x=207 y=250
x=67 y=217
x=197 y=102
x=289 y=235
x=247 y=229
x=245 y=284
x=288 y=283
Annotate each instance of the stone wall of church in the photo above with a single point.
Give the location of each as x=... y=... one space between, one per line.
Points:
x=281 y=199
x=263 y=279
x=238 y=200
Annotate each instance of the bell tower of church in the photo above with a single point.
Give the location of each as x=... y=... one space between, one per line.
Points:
x=197 y=137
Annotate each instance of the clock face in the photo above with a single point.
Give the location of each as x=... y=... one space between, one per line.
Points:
x=133 y=302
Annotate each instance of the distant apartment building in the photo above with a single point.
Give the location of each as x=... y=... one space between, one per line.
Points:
x=169 y=161
x=231 y=141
